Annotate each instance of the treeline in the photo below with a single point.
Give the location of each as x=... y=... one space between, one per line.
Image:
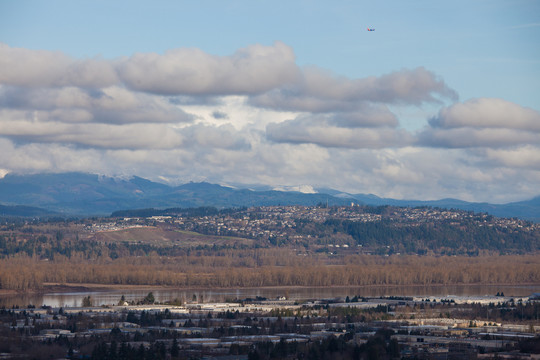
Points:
x=501 y=312
x=378 y=346
x=270 y=269
x=49 y=247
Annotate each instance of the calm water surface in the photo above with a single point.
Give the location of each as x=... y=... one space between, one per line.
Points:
x=111 y=297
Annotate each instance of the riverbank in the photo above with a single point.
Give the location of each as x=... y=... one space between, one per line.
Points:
x=59 y=288
x=72 y=295
x=68 y=288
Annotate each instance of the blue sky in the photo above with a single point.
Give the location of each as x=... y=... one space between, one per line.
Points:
x=442 y=100
x=481 y=48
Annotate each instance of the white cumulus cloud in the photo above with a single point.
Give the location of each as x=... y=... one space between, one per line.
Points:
x=254 y=69
x=256 y=117
x=484 y=122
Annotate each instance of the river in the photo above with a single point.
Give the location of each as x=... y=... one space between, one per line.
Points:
x=112 y=296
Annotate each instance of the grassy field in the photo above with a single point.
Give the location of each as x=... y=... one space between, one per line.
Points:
x=163 y=237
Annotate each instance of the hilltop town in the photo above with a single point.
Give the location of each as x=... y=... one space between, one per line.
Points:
x=331 y=226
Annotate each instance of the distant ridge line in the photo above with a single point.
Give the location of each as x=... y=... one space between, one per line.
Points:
x=83 y=194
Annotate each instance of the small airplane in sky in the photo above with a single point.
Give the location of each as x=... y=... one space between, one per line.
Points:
x=370 y=29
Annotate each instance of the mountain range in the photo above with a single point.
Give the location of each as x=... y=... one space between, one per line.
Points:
x=81 y=194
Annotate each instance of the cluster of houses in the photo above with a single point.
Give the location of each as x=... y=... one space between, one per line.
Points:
x=278 y=221
x=213 y=329
x=284 y=224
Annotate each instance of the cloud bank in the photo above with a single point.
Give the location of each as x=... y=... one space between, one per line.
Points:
x=484 y=122
x=255 y=116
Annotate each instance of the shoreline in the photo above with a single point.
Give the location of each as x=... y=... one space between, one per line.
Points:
x=61 y=288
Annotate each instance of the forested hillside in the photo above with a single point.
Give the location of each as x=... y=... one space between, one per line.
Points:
x=442 y=238
x=379 y=230
x=272 y=246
